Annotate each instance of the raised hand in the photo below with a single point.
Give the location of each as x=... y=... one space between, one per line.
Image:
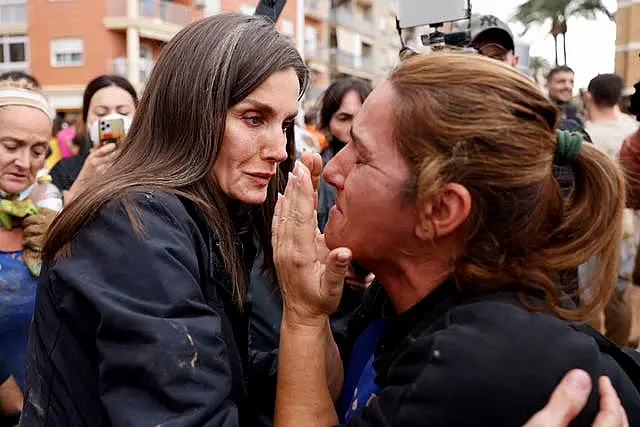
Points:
x=310 y=276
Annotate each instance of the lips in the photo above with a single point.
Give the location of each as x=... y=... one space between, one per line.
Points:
x=18 y=176
x=261 y=178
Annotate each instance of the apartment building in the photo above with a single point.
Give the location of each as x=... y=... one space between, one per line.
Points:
x=66 y=43
x=628 y=41
x=352 y=37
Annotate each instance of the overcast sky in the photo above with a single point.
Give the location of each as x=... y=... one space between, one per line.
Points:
x=590 y=44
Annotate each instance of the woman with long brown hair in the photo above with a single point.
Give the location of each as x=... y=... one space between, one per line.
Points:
x=447 y=194
x=147 y=310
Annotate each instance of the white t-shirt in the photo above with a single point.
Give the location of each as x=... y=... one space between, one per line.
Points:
x=609 y=136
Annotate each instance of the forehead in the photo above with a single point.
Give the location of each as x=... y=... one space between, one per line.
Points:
x=375 y=122
x=351 y=103
x=111 y=96
x=24 y=123
x=279 y=91
x=562 y=75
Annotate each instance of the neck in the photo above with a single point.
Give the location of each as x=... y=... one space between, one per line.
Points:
x=409 y=280
x=602 y=114
x=558 y=102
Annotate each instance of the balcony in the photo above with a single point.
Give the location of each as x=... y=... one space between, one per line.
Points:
x=358 y=62
x=13 y=17
x=165 y=11
x=318 y=59
x=317 y=54
x=120 y=65
x=364 y=24
x=357 y=21
x=318 y=9
x=155 y=19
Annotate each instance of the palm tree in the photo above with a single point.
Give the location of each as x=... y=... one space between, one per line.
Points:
x=558 y=12
x=538 y=68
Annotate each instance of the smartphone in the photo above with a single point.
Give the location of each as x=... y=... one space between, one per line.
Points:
x=111 y=131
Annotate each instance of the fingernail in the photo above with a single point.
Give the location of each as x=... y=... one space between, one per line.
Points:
x=296 y=167
x=280 y=195
x=579 y=381
x=343 y=256
x=291 y=177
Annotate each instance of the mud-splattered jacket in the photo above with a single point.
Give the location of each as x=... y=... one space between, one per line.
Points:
x=139 y=329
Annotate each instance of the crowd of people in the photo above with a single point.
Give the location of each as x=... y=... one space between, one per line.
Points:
x=450 y=248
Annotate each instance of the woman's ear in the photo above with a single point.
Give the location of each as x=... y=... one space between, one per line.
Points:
x=442 y=215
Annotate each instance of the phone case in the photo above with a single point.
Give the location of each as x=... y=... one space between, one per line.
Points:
x=111 y=131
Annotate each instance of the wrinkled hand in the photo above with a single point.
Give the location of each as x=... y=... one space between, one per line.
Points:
x=313 y=162
x=570 y=397
x=311 y=277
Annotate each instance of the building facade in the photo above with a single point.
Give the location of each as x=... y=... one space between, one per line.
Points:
x=66 y=43
x=628 y=41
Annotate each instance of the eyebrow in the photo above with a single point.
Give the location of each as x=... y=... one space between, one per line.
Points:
x=22 y=141
x=268 y=109
x=106 y=107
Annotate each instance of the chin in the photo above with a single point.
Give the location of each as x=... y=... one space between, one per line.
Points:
x=252 y=197
x=13 y=188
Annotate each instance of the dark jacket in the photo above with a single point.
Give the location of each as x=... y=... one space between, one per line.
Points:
x=326 y=192
x=140 y=329
x=66 y=171
x=463 y=361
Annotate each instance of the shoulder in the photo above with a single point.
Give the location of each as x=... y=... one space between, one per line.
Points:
x=501 y=323
x=137 y=224
x=493 y=356
x=143 y=245
x=150 y=207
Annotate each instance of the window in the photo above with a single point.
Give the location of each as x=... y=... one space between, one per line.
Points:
x=14 y=53
x=13 y=12
x=67 y=52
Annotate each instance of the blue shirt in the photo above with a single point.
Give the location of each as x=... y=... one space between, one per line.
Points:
x=17 y=300
x=359 y=385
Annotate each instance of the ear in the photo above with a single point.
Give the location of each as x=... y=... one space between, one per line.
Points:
x=588 y=99
x=439 y=217
x=515 y=60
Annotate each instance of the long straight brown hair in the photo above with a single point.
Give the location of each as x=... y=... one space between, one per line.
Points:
x=178 y=129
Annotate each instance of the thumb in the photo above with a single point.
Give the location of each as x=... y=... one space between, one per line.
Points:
x=567 y=400
x=336 y=268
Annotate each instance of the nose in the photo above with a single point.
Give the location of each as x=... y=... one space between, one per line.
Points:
x=336 y=171
x=275 y=146
x=23 y=159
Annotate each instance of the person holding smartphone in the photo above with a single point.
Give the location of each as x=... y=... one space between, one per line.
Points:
x=106 y=97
